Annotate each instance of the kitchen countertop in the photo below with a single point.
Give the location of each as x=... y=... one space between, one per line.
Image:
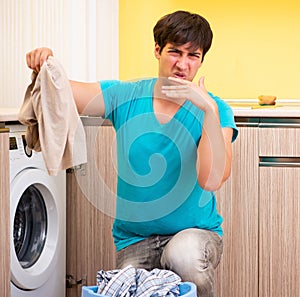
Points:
x=250 y=108
x=8 y=114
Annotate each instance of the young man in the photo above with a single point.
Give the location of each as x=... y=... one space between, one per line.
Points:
x=173 y=150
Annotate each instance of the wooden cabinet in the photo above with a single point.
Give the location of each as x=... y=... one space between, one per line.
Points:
x=279 y=211
x=90 y=209
x=261 y=209
x=279 y=238
x=237 y=273
x=4 y=216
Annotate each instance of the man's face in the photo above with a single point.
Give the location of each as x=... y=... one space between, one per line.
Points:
x=178 y=61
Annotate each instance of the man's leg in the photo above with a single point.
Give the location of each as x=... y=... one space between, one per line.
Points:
x=194 y=254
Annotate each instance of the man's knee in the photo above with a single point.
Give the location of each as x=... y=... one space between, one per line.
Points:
x=191 y=248
x=194 y=254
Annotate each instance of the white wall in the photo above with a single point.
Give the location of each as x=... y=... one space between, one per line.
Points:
x=82 y=33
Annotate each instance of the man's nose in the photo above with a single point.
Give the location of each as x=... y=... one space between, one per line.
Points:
x=182 y=62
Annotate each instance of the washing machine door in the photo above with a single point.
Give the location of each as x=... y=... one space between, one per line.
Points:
x=34 y=229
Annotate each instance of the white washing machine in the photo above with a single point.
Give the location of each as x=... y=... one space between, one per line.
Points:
x=38 y=223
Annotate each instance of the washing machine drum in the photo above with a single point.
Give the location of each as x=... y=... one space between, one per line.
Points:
x=35 y=222
x=30 y=227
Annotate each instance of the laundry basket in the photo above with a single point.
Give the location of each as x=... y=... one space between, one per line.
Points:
x=187 y=289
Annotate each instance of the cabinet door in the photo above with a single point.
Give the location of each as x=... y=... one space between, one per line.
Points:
x=237 y=273
x=279 y=237
x=279 y=212
x=4 y=217
x=90 y=210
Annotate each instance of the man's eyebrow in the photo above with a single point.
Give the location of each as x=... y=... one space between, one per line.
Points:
x=190 y=52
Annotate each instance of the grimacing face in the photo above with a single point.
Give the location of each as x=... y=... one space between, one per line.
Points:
x=178 y=61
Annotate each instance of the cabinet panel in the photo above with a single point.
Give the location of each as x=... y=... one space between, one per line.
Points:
x=4 y=217
x=237 y=273
x=279 y=240
x=279 y=142
x=90 y=209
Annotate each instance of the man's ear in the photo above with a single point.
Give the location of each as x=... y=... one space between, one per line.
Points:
x=157 y=50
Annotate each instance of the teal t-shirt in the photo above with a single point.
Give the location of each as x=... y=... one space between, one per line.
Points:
x=158 y=191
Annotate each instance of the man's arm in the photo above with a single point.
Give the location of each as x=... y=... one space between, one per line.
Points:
x=214 y=153
x=88 y=96
x=214 y=150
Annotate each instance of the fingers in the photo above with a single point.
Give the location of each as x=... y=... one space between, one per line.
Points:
x=175 y=91
x=179 y=88
x=37 y=57
x=201 y=83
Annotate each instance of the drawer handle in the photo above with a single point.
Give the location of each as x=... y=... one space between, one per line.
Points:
x=279 y=161
x=279 y=125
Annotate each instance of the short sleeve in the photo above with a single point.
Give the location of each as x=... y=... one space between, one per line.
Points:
x=226 y=116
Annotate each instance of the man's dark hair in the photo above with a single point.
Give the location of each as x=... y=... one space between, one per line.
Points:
x=181 y=27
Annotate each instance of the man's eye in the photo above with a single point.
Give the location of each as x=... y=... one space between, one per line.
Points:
x=174 y=51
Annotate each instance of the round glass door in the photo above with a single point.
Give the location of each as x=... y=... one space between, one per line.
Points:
x=35 y=228
x=30 y=227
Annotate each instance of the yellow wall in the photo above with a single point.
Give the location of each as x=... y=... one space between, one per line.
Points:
x=256 y=46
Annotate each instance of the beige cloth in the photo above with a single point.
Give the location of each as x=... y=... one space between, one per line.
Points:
x=53 y=124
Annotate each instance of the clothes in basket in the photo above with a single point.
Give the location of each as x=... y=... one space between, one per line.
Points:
x=138 y=282
x=186 y=289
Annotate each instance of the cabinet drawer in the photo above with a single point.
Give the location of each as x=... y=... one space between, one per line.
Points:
x=279 y=142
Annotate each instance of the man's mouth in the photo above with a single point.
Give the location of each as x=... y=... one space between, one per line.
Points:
x=179 y=75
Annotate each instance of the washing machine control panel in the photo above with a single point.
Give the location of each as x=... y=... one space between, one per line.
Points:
x=17 y=142
x=20 y=157
x=19 y=154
